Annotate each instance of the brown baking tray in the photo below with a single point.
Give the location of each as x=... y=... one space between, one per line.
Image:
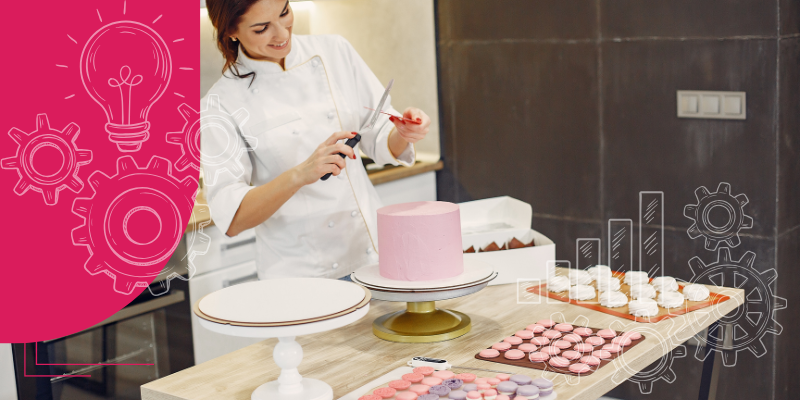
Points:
x=545 y=366
x=622 y=312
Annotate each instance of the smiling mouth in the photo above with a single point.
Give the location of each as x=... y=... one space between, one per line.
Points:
x=280 y=46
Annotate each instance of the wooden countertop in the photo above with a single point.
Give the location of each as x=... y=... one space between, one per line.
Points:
x=377 y=177
x=350 y=357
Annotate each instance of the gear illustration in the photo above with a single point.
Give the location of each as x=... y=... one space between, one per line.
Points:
x=133 y=223
x=32 y=174
x=661 y=370
x=755 y=318
x=212 y=120
x=719 y=200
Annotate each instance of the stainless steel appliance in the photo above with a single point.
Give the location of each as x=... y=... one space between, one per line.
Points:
x=150 y=330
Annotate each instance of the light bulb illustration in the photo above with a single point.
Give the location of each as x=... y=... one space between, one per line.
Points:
x=125 y=68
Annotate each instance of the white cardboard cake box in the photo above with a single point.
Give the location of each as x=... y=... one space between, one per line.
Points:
x=500 y=219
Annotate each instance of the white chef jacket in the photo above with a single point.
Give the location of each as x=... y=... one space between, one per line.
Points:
x=328 y=228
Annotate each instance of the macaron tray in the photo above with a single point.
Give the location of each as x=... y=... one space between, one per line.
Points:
x=424 y=383
x=562 y=348
x=623 y=311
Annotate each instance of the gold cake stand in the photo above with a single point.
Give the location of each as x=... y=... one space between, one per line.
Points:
x=421 y=321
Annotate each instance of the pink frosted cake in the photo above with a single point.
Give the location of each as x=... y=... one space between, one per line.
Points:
x=420 y=241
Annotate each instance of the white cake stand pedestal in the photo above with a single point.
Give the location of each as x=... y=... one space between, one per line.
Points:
x=288 y=354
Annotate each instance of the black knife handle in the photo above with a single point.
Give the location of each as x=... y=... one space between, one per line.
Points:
x=350 y=142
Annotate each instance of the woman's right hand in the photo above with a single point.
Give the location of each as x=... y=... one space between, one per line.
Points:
x=325 y=159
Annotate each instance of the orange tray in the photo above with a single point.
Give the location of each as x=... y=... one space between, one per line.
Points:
x=622 y=312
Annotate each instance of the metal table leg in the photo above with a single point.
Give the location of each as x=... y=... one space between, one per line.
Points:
x=706 y=379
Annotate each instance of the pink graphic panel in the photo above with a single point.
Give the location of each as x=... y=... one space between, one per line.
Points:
x=93 y=202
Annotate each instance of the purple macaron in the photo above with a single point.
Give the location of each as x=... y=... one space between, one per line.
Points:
x=428 y=397
x=528 y=391
x=545 y=386
x=520 y=380
x=507 y=388
x=453 y=383
x=470 y=387
x=458 y=395
x=439 y=390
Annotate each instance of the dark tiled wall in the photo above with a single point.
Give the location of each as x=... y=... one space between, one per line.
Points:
x=569 y=105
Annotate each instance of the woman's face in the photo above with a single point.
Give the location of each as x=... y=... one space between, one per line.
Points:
x=265 y=30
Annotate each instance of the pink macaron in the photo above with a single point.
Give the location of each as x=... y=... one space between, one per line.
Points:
x=444 y=374
x=385 y=392
x=535 y=328
x=483 y=387
x=478 y=381
x=559 y=362
x=621 y=340
x=632 y=335
x=524 y=334
x=538 y=357
x=551 y=350
x=399 y=384
x=466 y=377
x=527 y=347
x=602 y=354
x=590 y=360
x=474 y=395
x=406 y=396
x=493 y=381
x=513 y=340
x=583 y=331
x=419 y=389
x=432 y=381
x=612 y=348
x=424 y=370
x=546 y=322
x=502 y=346
x=573 y=338
x=370 y=397
x=563 y=327
x=595 y=340
x=514 y=354
x=502 y=397
x=562 y=344
x=413 y=377
x=606 y=333
x=571 y=355
x=502 y=377
x=583 y=347
x=540 y=341
x=579 y=368
x=488 y=353
x=551 y=334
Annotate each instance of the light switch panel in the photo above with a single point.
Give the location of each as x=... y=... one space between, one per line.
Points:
x=712 y=105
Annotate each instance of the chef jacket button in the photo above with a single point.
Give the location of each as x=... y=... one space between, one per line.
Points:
x=354 y=213
x=255 y=90
x=295 y=132
x=331 y=224
x=331 y=115
x=341 y=176
x=315 y=62
x=369 y=250
x=335 y=265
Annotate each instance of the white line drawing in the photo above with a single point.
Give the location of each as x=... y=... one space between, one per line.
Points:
x=755 y=318
x=651 y=248
x=721 y=200
x=126 y=67
x=133 y=221
x=212 y=120
x=620 y=244
x=523 y=295
x=646 y=378
x=587 y=253
x=40 y=178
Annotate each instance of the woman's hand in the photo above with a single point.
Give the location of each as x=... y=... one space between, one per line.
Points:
x=325 y=159
x=408 y=132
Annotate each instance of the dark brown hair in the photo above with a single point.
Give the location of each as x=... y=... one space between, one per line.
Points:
x=225 y=16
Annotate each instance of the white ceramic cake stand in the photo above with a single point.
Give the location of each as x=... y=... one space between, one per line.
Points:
x=283 y=301
x=421 y=321
x=288 y=354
